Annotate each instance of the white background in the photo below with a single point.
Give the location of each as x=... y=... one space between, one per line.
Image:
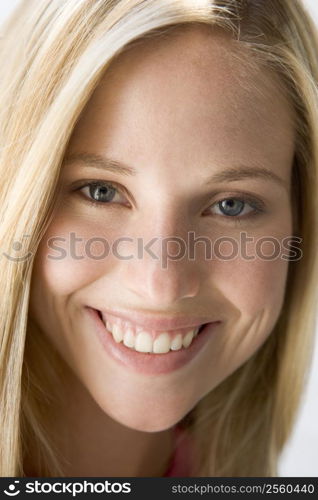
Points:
x=300 y=457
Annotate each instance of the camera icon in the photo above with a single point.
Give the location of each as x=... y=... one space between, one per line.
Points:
x=13 y=492
x=17 y=247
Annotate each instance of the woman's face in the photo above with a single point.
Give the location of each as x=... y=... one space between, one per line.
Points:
x=208 y=143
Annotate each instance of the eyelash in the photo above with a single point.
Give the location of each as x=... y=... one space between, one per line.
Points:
x=257 y=205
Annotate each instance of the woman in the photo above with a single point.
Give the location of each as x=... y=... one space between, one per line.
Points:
x=127 y=127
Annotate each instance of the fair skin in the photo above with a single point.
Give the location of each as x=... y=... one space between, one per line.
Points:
x=184 y=108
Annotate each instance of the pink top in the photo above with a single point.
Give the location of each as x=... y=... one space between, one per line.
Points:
x=181 y=462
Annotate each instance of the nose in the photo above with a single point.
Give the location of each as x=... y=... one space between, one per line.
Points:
x=164 y=275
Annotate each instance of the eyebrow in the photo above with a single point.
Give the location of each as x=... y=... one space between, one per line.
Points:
x=243 y=172
x=98 y=161
x=230 y=175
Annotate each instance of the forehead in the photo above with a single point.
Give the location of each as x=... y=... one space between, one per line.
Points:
x=207 y=55
x=194 y=82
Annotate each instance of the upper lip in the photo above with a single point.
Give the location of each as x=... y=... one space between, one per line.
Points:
x=158 y=322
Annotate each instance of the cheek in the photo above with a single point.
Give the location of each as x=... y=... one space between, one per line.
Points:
x=255 y=280
x=72 y=255
x=251 y=297
x=254 y=287
x=66 y=261
x=252 y=294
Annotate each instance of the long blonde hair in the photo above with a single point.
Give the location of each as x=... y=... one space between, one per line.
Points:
x=53 y=54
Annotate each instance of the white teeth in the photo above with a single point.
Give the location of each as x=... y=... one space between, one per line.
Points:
x=162 y=343
x=129 y=338
x=176 y=342
x=117 y=332
x=188 y=339
x=143 y=342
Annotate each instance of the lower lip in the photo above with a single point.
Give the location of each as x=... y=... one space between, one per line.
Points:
x=148 y=363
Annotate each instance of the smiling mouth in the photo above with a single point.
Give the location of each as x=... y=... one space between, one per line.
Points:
x=144 y=342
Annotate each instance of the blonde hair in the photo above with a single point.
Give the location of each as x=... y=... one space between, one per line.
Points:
x=53 y=54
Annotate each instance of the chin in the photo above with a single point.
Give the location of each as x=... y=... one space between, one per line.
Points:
x=157 y=420
x=147 y=425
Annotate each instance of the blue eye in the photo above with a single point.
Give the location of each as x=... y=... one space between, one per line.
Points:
x=238 y=207
x=104 y=193
x=231 y=206
x=100 y=192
